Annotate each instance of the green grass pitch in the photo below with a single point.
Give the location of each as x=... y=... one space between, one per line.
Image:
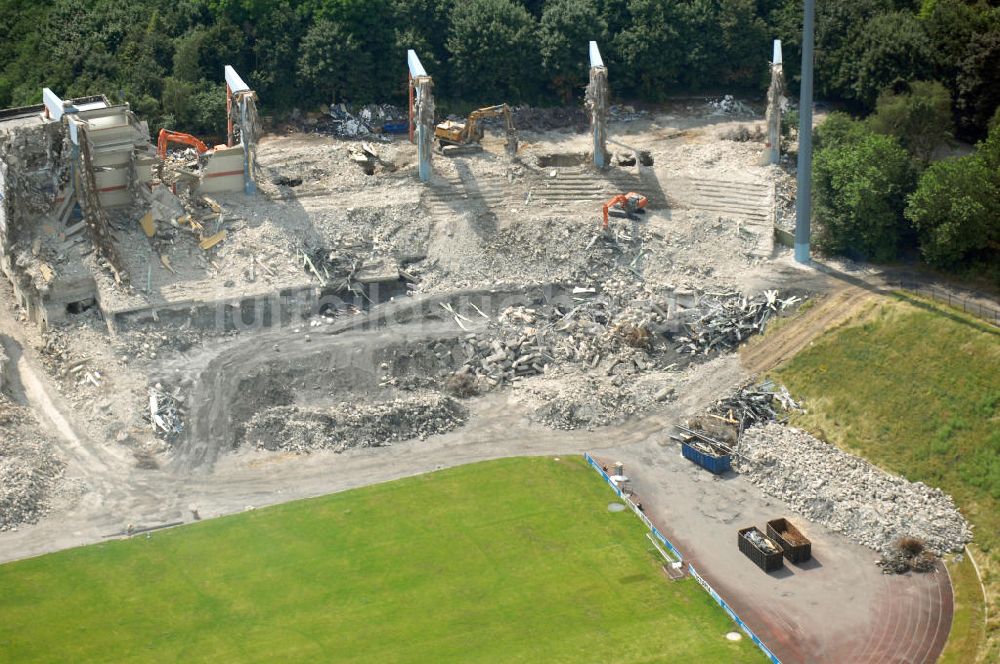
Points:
x=516 y=560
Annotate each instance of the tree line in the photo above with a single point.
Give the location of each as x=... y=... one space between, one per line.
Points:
x=882 y=189
x=166 y=56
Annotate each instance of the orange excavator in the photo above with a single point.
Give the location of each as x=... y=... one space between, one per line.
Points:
x=625 y=205
x=166 y=137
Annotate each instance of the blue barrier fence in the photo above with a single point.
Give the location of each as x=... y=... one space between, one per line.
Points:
x=732 y=614
x=704 y=584
x=645 y=519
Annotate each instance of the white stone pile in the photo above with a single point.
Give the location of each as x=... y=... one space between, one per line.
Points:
x=848 y=494
x=351 y=425
x=29 y=469
x=4 y=368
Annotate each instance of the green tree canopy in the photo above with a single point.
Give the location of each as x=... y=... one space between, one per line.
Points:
x=955 y=209
x=861 y=188
x=566 y=29
x=649 y=49
x=891 y=49
x=920 y=118
x=494 y=51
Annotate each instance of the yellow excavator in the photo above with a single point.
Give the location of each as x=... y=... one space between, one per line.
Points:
x=464 y=137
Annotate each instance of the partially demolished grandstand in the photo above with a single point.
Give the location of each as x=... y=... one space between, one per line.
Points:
x=67 y=166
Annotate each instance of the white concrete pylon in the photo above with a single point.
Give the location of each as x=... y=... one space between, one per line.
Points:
x=775 y=102
x=597 y=104
x=421 y=113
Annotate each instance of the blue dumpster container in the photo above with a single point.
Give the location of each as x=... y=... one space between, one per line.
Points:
x=717 y=464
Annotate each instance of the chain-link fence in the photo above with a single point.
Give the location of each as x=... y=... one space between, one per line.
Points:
x=969 y=306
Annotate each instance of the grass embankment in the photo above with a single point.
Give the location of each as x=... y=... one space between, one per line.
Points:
x=506 y=561
x=915 y=387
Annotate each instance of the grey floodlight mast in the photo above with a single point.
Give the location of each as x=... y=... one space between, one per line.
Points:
x=803 y=202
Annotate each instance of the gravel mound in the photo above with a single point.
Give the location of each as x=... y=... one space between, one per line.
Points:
x=585 y=403
x=29 y=469
x=297 y=429
x=4 y=368
x=848 y=494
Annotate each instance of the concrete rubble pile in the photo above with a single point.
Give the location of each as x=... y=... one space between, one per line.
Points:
x=848 y=494
x=30 y=471
x=594 y=360
x=585 y=402
x=526 y=341
x=729 y=105
x=5 y=368
x=728 y=321
x=354 y=425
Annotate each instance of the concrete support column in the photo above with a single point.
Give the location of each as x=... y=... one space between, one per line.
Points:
x=421 y=114
x=775 y=103
x=597 y=104
x=241 y=99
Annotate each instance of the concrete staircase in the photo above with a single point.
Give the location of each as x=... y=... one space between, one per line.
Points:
x=745 y=200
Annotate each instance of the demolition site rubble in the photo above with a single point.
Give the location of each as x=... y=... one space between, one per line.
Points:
x=303 y=429
x=31 y=472
x=729 y=321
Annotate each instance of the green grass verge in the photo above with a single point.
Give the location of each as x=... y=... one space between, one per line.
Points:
x=915 y=387
x=516 y=560
x=967 y=629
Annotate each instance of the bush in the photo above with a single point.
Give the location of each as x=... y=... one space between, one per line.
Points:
x=461 y=385
x=494 y=51
x=920 y=118
x=838 y=129
x=910 y=546
x=861 y=187
x=955 y=210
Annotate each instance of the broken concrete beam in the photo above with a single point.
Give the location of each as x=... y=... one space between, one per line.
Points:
x=223 y=171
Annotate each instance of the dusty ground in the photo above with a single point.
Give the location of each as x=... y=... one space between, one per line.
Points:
x=496 y=234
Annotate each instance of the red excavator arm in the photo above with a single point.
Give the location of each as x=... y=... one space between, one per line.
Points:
x=167 y=136
x=630 y=203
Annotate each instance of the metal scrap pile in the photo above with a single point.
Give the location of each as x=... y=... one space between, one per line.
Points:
x=760 y=541
x=754 y=404
x=368 y=120
x=730 y=321
x=166 y=409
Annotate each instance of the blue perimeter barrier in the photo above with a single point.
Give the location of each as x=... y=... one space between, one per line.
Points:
x=704 y=584
x=732 y=614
